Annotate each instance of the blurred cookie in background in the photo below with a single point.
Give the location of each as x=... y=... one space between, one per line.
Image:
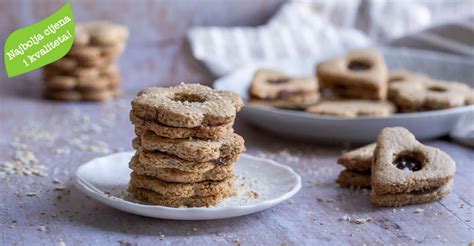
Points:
x=89 y=71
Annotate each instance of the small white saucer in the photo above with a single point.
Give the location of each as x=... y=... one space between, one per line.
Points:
x=260 y=183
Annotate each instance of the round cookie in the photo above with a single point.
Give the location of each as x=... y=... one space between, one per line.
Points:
x=62 y=95
x=98 y=95
x=66 y=64
x=85 y=53
x=61 y=82
x=169 y=189
x=203 y=132
x=81 y=37
x=106 y=32
x=187 y=105
x=155 y=159
x=198 y=150
x=157 y=199
x=219 y=172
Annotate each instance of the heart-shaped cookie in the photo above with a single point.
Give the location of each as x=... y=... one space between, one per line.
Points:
x=362 y=74
x=403 y=165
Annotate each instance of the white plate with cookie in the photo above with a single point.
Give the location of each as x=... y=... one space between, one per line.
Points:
x=361 y=129
x=260 y=184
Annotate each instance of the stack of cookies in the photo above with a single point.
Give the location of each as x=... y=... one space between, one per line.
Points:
x=399 y=169
x=89 y=71
x=186 y=148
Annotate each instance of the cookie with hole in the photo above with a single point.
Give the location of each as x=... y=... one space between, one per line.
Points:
x=353 y=179
x=273 y=88
x=187 y=105
x=362 y=74
x=193 y=149
x=402 y=165
x=218 y=172
x=155 y=198
x=401 y=75
x=170 y=189
x=359 y=159
x=202 y=132
x=430 y=95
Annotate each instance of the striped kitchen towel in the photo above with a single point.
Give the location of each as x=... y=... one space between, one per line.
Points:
x=323 y=28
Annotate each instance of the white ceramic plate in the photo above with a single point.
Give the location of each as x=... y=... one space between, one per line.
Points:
x=301 y=125
x=106 y=179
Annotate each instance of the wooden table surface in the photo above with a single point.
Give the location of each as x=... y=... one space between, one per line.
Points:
x=38 y=210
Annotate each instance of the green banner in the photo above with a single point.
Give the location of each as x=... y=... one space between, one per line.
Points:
x=37 y=45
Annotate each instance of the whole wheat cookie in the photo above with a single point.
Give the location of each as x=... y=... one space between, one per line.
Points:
x=353 y=179
x=204 y=132
x=157 y=199
x=359 y=160
x=62 y=95
x=429 y=95
x=104 y=32
x=272 y=88
x=362 y=74
x=195 y=149
x=155 y=160
x=219 y=172
x=169 y=189
x=66 y=64
x=401 y=75
x=352 y=108
x=404 y=166
x=187 y=105
x=61 y=82
x=413 y=197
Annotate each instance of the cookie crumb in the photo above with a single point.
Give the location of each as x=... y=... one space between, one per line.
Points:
x=41 y=228
x=419 y=210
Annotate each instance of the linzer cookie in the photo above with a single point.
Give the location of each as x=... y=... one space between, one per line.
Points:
x=361 y=74
x=359 y=160
x=405 y=76
x=358 y=164
x=170 y=189
x=352 y=108
x=186 y=146
x=203 y=132
x=88 y=72
x=429 y=95
x=218 y=172
x=272 y=88
x=404 y=171
x=195 y=149
x=157 y=199
x=353 y=179
x=187 y=105
x=155 y=160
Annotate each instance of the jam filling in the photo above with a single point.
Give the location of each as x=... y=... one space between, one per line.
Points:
x=358 y=66
x=424 y=191
x=278 y=81
x=408 y=163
